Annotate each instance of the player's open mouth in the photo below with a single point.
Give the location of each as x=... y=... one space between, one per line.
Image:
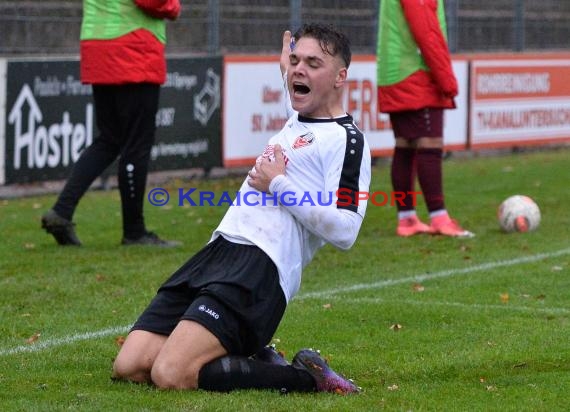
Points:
x=299 y=88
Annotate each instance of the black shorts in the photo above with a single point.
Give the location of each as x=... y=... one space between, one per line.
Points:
x=231 y=289
x=414 y=124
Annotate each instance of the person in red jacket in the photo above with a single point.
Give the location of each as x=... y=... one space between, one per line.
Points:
x=416 y=84
x=122 y=57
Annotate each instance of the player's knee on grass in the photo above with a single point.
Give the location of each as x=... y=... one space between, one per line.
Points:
x=130 y=371
x=165 y=375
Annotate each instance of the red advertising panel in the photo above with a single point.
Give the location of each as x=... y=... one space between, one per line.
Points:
x=520 y=101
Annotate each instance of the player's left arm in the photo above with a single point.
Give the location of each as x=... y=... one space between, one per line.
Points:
x=336 y=226
x=333 y=222
x=424 y=26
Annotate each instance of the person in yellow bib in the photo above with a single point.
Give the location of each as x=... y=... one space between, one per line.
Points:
x=122 y=57
x=416 y=84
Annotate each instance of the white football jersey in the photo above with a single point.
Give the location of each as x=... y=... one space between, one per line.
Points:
x=327 y=163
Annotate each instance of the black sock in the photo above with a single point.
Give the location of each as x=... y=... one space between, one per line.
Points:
x=238 y=372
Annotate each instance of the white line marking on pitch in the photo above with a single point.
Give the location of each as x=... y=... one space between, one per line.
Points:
x=50 y=343
x=429 y=276
x=478 y=306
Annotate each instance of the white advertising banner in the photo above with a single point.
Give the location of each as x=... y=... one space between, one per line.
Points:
x=254 y=107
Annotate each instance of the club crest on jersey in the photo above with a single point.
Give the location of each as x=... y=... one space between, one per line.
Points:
x=304 y=140
x=269 y=153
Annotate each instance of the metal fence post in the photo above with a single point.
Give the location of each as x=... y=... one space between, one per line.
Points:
x=295 y=19
x=213 y=27
x=518 y=26
x=452 y=26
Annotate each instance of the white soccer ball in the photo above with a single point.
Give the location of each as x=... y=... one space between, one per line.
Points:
x=518 y=213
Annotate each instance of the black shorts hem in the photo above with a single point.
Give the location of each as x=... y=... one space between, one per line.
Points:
x=227 y=345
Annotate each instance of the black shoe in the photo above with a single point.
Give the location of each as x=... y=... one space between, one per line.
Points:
x=150 y=239
x=62 y=229
x=326 y=379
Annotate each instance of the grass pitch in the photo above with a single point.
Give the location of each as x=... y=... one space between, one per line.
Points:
x=422 y=324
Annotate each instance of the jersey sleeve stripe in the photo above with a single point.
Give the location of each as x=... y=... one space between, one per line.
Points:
x=350 y=175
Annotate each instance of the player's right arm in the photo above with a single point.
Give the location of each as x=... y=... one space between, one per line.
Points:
x=286 y=48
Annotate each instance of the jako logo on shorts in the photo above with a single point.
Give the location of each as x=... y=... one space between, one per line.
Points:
x=203 y=308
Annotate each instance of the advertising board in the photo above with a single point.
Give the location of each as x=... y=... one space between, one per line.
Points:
x=254 y=107
x=519 y=101
x=50 y=118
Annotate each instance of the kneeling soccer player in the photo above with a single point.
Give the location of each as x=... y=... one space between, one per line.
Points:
x=210 y=322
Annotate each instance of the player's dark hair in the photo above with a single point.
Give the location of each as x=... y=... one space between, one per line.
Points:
x=331 y=40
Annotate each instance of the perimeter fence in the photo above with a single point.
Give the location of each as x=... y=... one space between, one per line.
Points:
x=213 y=27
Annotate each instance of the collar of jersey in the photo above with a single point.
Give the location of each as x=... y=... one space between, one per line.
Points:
x=324 y=120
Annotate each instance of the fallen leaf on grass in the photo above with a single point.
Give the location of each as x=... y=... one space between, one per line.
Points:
x=327 y=306
x=416 y=287
x=504 y=297
x=33 y=338
x=396 y=327
x=393 y=387
x=119 y=340
x=426 y=251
